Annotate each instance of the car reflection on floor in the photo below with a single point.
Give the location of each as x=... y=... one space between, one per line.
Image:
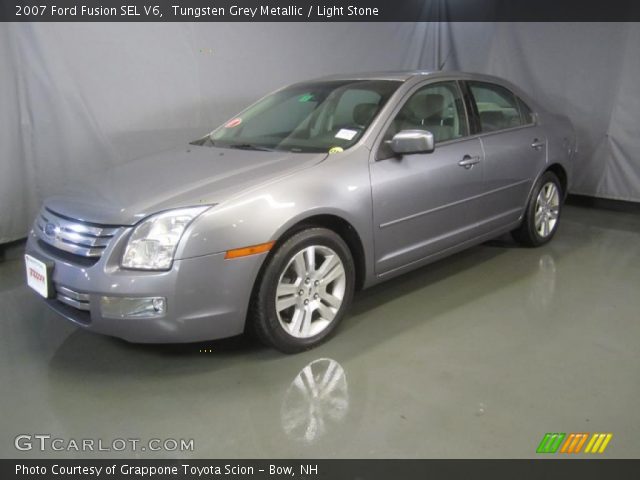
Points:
x=317 y=398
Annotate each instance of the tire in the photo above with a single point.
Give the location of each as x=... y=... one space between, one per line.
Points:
x=542 y=216
x=298 y=303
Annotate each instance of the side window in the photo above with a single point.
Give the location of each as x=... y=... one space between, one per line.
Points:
x=438 y=108
x=497 y=107
x=525 y=112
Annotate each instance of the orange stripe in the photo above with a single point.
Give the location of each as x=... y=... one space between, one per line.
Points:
x=246 y=251
x=565 y=446
x=581 y=443
x=576 y=438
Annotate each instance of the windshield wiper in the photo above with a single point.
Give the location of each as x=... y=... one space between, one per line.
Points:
x=249 y=146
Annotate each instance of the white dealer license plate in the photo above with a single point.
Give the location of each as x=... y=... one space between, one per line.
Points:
x=37 y=275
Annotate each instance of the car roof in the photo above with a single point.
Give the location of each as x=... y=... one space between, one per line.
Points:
x=416 y=75
x=403 y=75
x=391 y=75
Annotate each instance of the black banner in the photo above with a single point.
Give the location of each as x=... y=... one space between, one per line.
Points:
x=320 y=469
x=318 y=10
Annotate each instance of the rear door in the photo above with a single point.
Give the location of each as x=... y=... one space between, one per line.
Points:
x=514 y=148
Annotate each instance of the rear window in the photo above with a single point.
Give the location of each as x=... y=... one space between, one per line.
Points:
x=497 y=106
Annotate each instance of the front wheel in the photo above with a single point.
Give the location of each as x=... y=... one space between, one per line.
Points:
x=303 y=291
x=541 y=218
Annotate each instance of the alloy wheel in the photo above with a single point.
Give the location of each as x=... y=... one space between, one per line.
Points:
x=547 y=209
x=310 y=291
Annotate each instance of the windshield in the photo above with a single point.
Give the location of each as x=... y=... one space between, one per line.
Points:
x=326 y=116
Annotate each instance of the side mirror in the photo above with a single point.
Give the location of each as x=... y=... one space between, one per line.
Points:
x=412 y=141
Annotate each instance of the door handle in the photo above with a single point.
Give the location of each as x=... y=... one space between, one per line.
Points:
x=537 y=144
x=468 y=161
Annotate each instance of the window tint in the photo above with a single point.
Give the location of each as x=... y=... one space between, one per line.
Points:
x=525 y=112
x=437 y=108
x=282 y=117
x=497 y=107
x=308 y=117
x=351 y=105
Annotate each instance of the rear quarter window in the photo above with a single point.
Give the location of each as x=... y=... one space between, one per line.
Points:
x=525 y=112
x=497 y=106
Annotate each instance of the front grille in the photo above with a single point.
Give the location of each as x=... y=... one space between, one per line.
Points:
x=80 y=238
x=58 y=254
x=72 y=298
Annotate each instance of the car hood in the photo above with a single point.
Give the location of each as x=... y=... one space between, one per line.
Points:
x=179 y=177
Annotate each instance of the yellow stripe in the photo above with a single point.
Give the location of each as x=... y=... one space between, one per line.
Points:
x=598 y=442
x=590 y=444
x=605 y=443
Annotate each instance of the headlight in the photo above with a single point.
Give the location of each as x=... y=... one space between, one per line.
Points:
x=153 y=242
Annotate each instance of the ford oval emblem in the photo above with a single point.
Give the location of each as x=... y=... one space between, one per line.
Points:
x=50 y=229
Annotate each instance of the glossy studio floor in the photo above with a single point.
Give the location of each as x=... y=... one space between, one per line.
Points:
x=478 y=355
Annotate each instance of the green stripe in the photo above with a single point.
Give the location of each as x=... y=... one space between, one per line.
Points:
x=556 y=445
x=550 y=442
x=542 y=448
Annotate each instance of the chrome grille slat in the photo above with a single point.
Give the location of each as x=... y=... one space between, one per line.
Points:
x=72 y=298
x=96 y=242
x=79 y=226
x=90 y=235
x=83 y=241
x=67 y=292
x=74 y=236
x=73 y=303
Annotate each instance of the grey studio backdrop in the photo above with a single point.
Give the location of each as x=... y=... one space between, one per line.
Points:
x=78 y=97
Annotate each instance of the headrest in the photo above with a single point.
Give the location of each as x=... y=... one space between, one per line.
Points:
x=425 y=106
x=492 y=118
x=364 y=112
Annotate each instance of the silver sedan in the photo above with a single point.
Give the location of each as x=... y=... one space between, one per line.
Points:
x=272 y=221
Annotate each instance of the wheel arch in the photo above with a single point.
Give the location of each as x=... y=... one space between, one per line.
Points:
x=331 y=221
x=341 y=227
x=561 y=173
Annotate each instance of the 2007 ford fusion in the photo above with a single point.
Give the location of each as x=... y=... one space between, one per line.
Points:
x=273 y=220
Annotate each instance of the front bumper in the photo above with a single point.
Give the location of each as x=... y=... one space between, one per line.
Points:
x=207 y=297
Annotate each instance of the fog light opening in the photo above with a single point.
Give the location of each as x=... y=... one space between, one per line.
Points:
x=132 y=307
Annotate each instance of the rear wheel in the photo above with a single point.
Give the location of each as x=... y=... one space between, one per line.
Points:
x=303 y=291
x=541 y=218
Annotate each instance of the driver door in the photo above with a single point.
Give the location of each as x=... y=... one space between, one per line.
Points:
x=425 y=203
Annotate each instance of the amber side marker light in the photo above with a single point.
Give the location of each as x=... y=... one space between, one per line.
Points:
x=246 y=251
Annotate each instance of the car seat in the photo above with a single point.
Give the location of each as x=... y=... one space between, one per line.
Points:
x=426 y=112
x=363 y=113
